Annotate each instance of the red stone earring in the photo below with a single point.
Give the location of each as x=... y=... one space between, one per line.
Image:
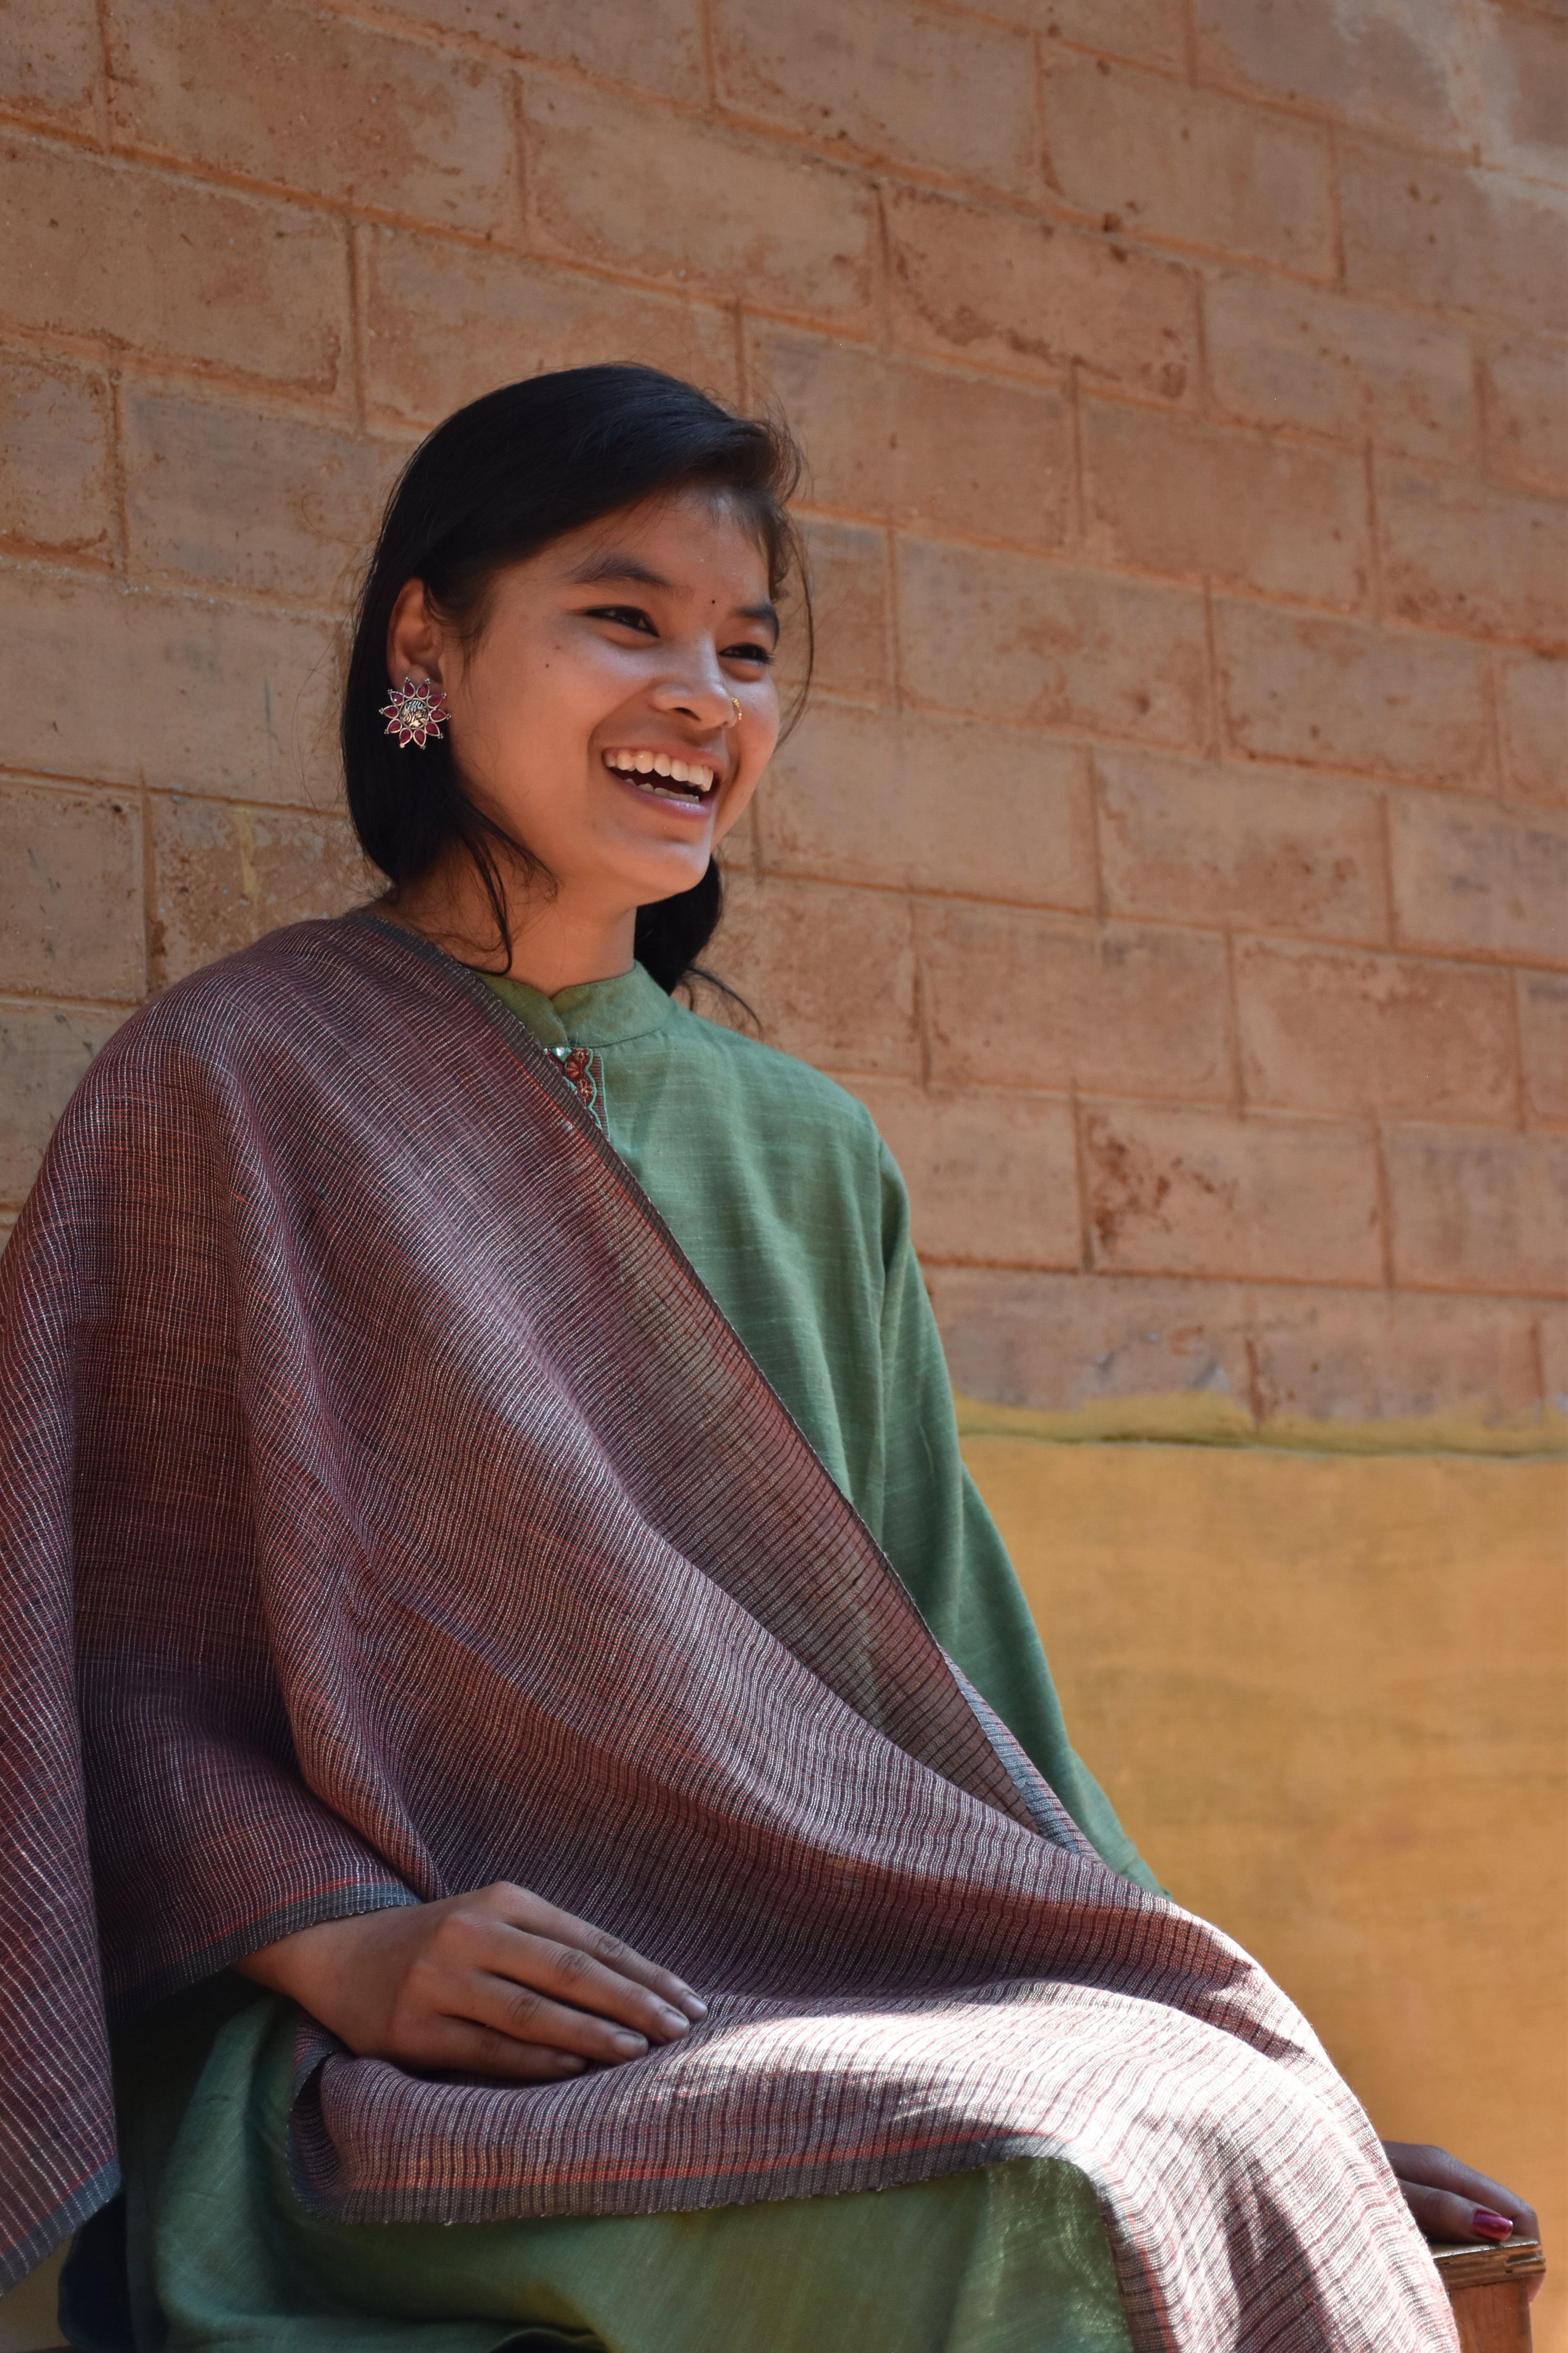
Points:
x=415 y=713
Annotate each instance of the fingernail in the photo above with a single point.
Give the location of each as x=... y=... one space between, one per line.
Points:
x=634 y=2045
x=676 y=2018
x=1488 y=2225
x=567 y=2065
x=693 y=2005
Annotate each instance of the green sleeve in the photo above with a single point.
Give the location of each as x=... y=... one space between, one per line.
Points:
x=947 y=1548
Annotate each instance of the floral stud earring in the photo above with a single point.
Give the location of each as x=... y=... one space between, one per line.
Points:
x=415 y=713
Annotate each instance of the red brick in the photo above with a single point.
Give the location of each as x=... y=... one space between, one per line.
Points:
x=223 y=494
x=56 y=489
x=1167 y=494
x=830 y=972
x=1534 y=695
x=49 y=61
x=656 y=46
x=886 y=81
x=223 y=875
x=300 y=98
x=1543 y=1036
x=1263 y=849
x=1480 y=882
x=1363 y=64
x=1458 y=554
x=1282 y=354
x=260 y=289
x=931 y=805
x=44 y=1050
x=1324 y=1030
x=1018 y=999
x=1337 y=694
x=920 y=445
x=1194 y=1192
x=993 y=1178
x=444 y=323
x=1057 y=1341
x=671 y=199
x=1387 y=1356
x=1012 y=639
x=1419 y=229
x=71 y=893
x=1184 y=166
x=1527 y=413
x=184 y=691
x=1000 y=289
x=1150 y=32
x=1478 y=1212
x=849 y=565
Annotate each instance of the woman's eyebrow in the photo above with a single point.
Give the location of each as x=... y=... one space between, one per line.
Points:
x=616 y=566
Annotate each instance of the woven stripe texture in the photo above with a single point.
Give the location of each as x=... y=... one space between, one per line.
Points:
x=389 y=1511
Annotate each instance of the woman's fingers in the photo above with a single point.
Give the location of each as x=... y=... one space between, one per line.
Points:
x=478 y=1958
x=1452 y=2200
x=532 y=1914
x=507 y=2003
x=1441 y=2214
x=460 y=2046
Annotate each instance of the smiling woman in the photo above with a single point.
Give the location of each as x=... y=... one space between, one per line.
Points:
x=597 y=609
x=490 y=1583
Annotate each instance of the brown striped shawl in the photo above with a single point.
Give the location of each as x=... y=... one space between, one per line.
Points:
x=424 y=1524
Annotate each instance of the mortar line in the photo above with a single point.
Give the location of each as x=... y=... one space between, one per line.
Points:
x=1384 y=1198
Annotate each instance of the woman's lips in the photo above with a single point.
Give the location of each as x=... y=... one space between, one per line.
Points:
x=687 y=784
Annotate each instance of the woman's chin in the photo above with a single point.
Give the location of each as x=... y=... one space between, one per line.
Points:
x=663 y=870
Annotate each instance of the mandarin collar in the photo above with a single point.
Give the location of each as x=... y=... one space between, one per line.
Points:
x=593 y=1013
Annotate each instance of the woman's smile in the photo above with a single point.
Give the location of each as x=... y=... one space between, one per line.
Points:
x=685 y=782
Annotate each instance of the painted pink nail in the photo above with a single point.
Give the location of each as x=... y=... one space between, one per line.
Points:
x=1488 y=2225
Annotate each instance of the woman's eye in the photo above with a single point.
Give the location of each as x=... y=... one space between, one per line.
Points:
x=747 y=654
x=628 y=617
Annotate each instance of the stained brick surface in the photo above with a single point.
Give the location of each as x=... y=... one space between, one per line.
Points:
x=1275 y=849
x=1174 y=859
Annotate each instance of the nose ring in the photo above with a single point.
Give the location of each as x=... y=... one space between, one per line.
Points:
x=735 y=707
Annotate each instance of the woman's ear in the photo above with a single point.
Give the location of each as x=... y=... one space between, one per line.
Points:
x=415 y=637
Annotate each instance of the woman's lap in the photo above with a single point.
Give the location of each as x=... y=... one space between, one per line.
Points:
x=222 y=2256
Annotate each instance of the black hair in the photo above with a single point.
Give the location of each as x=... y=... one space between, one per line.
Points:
x=494 y=484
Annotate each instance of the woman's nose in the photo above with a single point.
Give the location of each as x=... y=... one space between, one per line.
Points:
x=698 y=691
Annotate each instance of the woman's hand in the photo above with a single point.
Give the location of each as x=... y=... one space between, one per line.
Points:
x=496 y=1983
x=1450 y=2201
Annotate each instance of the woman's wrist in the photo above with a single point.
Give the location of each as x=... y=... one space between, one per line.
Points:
x=302 y=1963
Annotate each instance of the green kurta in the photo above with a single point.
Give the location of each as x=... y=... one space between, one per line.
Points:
x=778 y=1188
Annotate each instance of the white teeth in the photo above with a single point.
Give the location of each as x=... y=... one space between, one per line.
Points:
x=647 y=764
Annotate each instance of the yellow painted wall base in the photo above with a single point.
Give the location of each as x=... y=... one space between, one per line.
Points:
x=1325 y=1692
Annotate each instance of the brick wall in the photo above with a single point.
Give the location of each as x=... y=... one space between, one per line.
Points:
x=1174 y=856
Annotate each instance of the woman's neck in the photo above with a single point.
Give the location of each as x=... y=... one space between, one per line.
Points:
x=556 y=942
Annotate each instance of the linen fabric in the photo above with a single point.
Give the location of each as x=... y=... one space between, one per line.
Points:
x=428 y=1525
x=777 y=1187
x=217 y=2251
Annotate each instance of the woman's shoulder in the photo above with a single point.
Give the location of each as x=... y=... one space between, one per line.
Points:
x=211 y=1006
x=786 y=1092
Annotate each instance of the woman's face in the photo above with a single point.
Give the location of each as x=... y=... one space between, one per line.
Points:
x=640 y=644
